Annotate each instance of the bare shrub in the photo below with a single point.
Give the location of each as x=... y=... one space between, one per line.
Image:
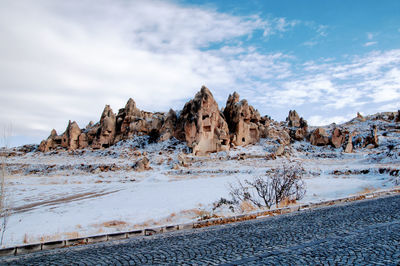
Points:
x=283 y=183
x=4 y=210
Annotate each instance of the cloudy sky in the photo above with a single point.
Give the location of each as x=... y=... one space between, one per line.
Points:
x=64 y=60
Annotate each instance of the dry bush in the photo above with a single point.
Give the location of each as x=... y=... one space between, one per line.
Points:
x=26 y=240
x=71 y=235
x=283 y=183
x=246 y=206
x=4 y=208
x=287 y=202
x=366 y=190
x=114 y=223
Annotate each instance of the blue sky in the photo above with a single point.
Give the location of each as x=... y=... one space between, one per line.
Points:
x=64 y=60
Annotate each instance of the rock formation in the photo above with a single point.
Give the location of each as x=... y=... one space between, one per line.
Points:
x=360 y=117
x=50 y=143
x=278 y=134
x=242 y=121
x=337 y=138
x=372 y=139
x=298 y=126
x=69 y=139
x=293 y=119
x=349 y=145
x=319 y=137
x=168 y=128
x=202 y=125
x=142 y=165
x=105 y=134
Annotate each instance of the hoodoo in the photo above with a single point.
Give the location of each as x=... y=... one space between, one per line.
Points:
x=204 y=127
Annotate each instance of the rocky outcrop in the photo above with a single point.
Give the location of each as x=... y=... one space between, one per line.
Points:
x=397 y=119
x=279 y=134
x=319 y=137
x=338 y=138
x=105 y=134
x=69 y=139
x=360 y=117
x=127 y=120
x=242 y=121
x=349 y=145
x=168 y=128
x=202 y=125
x=372 y=139
x=298 y=126
x=50 y=143
x=293 y=119
x=142 y=165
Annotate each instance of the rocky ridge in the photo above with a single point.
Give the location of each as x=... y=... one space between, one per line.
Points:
x=207 y=129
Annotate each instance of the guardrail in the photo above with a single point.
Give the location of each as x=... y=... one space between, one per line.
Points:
x=29 y=248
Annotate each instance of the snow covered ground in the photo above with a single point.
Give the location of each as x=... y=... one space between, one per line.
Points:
x=63 y=194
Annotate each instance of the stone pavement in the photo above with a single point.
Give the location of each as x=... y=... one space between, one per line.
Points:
x=366 y=232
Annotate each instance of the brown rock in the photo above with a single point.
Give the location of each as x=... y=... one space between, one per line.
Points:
x=142 y=165
x=349 y=146
x=202 y=126
x=69 y=139
x=370 y=146
x=398 y=116
x=293 y=119
x=168 y=127
x=107 y=129
x=83 y=141
x=298 y=126
x=126 y=120
x=278 y=134
x=182 y=160
x=337 y=138
x=300 y=133
x=319 y=137
x=49 y=143
x=242 y=121
x=280 y=151
x=360 y=117
x=373 y=137
x=46 y=145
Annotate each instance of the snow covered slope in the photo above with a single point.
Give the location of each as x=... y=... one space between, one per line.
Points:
x=64 y=194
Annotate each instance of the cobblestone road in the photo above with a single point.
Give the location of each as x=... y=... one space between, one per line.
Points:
x=366 y=232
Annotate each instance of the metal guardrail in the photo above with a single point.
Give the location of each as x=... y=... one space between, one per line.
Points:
x=29 y=248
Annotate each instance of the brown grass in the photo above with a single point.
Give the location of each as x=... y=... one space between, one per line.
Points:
x=72 y=235
x=247 y=206
x=114 y=223
x=26 y=240
x=366 y=190
x=287 y=202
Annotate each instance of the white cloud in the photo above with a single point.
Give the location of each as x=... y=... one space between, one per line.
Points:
x=278 y=25
x=369 y=44
x=65 y=60
x=318 y=120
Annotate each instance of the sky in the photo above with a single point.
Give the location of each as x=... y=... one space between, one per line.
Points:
x=65 y=60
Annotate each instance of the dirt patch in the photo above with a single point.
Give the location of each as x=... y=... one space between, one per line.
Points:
x=63 y=200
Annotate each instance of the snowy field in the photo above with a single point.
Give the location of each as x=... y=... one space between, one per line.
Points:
x=61 y=194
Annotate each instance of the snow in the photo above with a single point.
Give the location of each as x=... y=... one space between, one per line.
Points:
x=64 y=194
